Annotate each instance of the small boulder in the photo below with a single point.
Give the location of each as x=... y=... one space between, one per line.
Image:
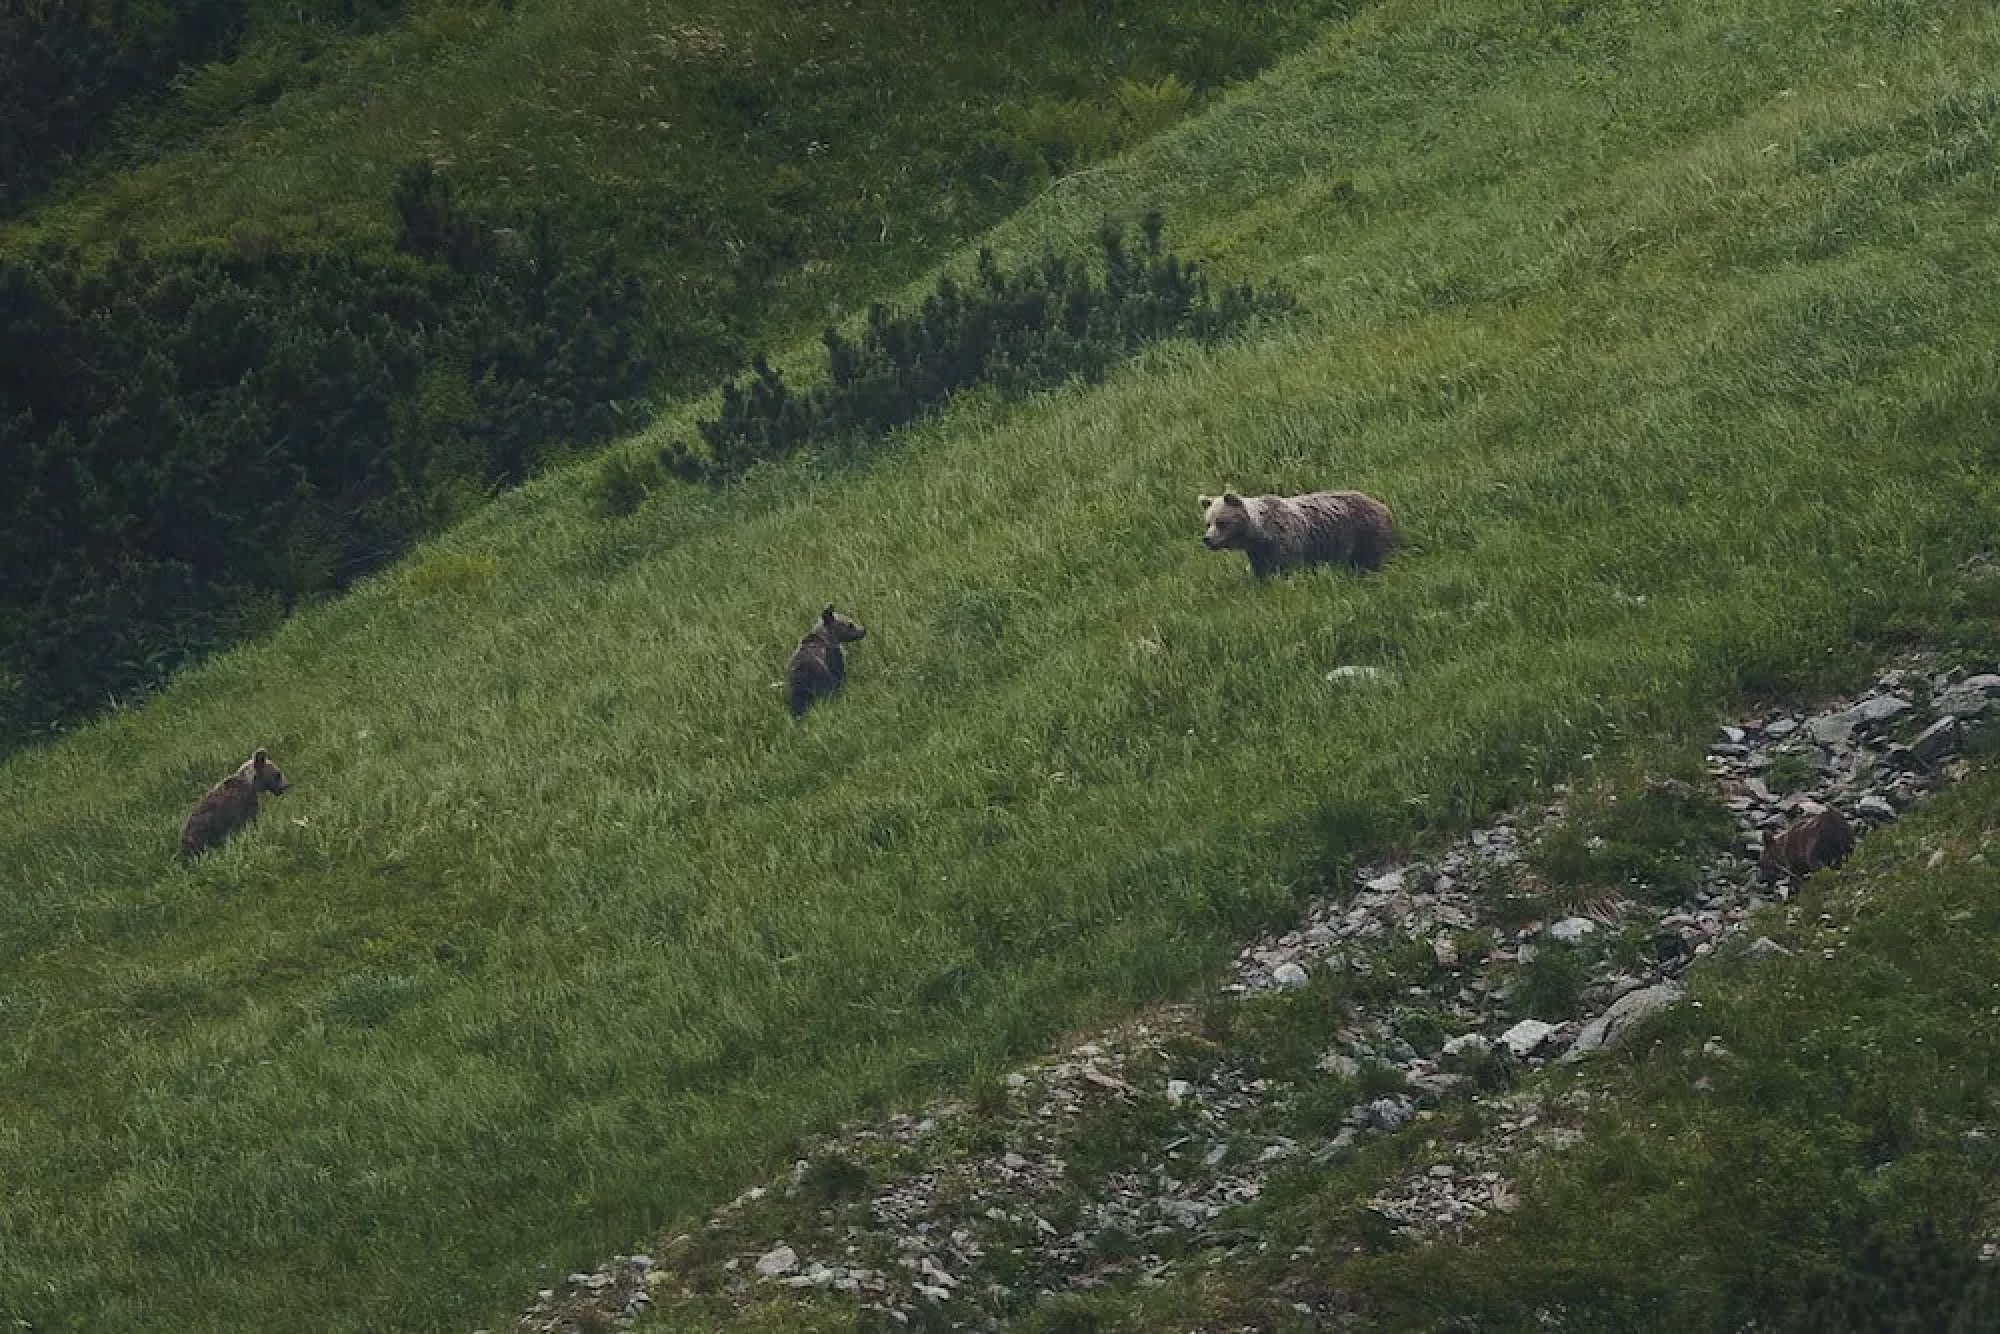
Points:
x=1873 y=807
x=1523 y=1038
x=1338 y=1063
x=1388 y=1113
x=1572 y=929
x=778 y=1261
x=1934 y=743
x=1835 y=728
x=1973 y=695
x=1610 y=1028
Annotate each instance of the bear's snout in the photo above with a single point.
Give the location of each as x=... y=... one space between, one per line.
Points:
x=1213 y=541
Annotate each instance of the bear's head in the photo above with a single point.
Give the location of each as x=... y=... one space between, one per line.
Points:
x=838 y=629
x=264 y=775
x=1230 y=525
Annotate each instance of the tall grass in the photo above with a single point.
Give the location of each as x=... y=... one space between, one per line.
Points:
x=566 y=929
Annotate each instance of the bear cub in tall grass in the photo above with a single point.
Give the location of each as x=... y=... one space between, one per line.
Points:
x=818 y=667
x=230 y=805
x=1280 y=533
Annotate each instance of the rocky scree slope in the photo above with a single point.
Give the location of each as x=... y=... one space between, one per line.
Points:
x=1124 y=1157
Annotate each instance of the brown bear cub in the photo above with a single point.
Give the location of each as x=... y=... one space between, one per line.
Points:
x=818 y=667
x=230 y=805
x=1280 y=533
x=1823 y=838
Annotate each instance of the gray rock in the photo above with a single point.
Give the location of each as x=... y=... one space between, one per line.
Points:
x=779 y=1260
x=1836 y=728
x=1872 y=807
x=1572 y=929
x=1288 y=975
x=1878 y=708
x=1781 y=727
x=1388 y=1113
x=1609 y=1029
x=1763 y=947
x=1467 y=1044
x=1524 y=1037
x=1340 y=1064
x=1935 y=742
x=1973 y=695
x=1178 y=1090
x=1437 y=1085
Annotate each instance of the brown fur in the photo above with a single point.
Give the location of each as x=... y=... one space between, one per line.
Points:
x=818 y=667
x=1823 y=838
x=1280 y=533
x=230 y=805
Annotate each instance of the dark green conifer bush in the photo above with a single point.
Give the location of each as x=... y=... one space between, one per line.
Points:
x=1017 y=331
x=199 y=439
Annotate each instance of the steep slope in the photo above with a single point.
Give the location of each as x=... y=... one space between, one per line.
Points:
x=1666 y=336
x=307 y=302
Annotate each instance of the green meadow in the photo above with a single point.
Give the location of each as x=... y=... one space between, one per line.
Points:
x=1669 y=333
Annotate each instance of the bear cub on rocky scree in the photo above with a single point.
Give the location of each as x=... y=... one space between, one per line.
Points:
x=230 y=805
x=1280 y=533
x=1822 y=838
x=818 y=667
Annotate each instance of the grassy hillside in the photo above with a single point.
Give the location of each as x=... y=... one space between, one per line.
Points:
x=1666 y=334
x=283 y=313
x=1805 y=1146
x=740 y=152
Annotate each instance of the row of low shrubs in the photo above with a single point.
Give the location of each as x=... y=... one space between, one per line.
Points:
x=1016 y=331
x=195 y=441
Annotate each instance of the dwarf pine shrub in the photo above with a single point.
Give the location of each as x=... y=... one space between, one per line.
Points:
x=1018 y=331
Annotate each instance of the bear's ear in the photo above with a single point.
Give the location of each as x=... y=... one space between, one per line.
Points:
x=826 y=613
x=1231 y=499
x=1206 y=501
x=261 y=758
